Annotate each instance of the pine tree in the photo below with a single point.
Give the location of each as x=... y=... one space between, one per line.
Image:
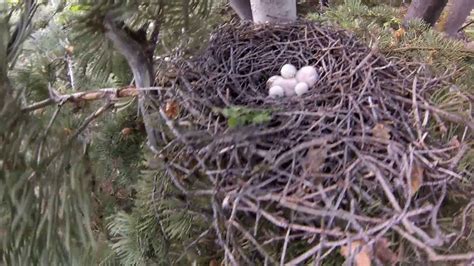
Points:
x=65 y=166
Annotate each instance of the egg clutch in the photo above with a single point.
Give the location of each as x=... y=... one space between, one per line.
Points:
x=292 y=81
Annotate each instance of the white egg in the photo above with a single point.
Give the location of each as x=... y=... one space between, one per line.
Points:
x=287 y=84
x=276 y=91
x=288 y=71
x=307 y=74
x=271 y=80
x=301 y=88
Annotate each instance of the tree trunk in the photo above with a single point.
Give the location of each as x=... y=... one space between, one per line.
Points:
x=457 y=15
x=276 y=11
x=426 y=10
x=242 y=8
x=140 y=61
x=5 y=86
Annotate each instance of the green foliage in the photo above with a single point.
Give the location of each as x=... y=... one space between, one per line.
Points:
x=44 y=178
x=117 y=147
x=54 y=209
x=160 y=225
x=136 y=238
x=239 y=116
x=45 y=206
x=182 y=24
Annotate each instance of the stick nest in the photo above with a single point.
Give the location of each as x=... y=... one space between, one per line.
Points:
x=352 y=161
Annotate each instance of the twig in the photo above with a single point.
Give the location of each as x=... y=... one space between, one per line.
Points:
x=193 y=243
x=468 y=121
x=432 y=255
x=415 y=110
x=216 y=213
x=70 y=69
x=252 y=239
x=93 y=95
x=363 y=62
x=401 y=49
x=465 y=26
x=285 y=246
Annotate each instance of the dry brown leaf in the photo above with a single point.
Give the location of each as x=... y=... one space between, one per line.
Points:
x=416 y=178
x=126 y=131
x=454 y=142
x=362 y=258
x=213 y=262
x=399 y=34
x=431 y=56
x=39 y=111
x=172 y=109
x=384 y=253
x=128 y=91
x=91 y=96
x=67 y=131
x=381 y=131
x=69 y=49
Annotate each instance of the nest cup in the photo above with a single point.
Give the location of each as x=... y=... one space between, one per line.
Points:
x=337 y=164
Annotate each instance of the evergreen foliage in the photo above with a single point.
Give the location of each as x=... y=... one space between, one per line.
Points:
x=117 y=149
x=160 y=225
x=43 y=178
x=47 y=176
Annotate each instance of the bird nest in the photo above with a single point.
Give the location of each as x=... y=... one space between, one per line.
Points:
x=350 y=164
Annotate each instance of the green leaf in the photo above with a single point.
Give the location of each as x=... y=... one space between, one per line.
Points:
x=233 y=122
x=78 y=8
x=241 y=116
x=261 y=118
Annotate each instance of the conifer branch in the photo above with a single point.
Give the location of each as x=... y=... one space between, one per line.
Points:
x=406 y=48
x=78 y=131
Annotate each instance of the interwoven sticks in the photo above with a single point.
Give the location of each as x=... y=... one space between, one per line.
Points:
x=352 y=160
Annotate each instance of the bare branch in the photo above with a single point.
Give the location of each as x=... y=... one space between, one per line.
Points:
x=111 y=94
x=432 y=255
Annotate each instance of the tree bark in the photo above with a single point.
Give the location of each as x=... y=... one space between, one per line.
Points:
x=323 y=3
x=457 y=15
x=426 y=10
x=6 y=90
x=242 y=8
x=3 y=59
x=138 y=57
x=276 y=11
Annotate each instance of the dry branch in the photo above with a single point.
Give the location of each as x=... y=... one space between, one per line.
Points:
x=111 y=94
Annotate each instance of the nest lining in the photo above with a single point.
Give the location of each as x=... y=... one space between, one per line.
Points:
x=350 y=160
